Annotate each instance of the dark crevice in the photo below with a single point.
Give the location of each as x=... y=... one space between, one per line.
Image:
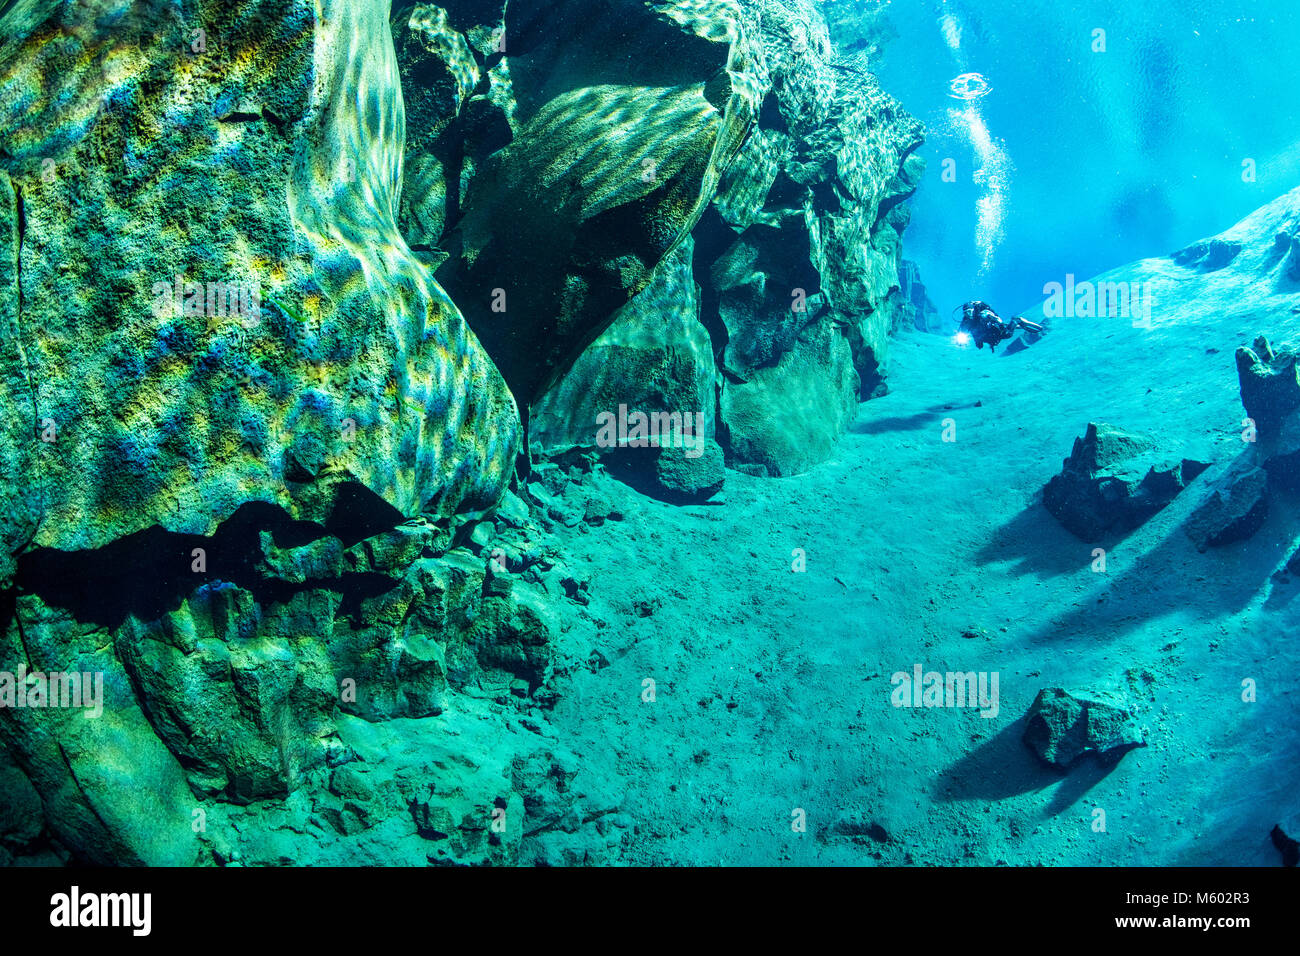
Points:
x=239 y=117
x=355 y=589
x=889 y=203
x=785 y=194
x=827 y=196
x=770 y=116
x=908 y=151
x=712 y=237
x=150 y=573
x=399 y=15
x=21 y=208
x=278 y=123
x=453 y=165
x=358 y=513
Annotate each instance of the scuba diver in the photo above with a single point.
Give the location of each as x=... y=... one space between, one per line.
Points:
x=981 y=325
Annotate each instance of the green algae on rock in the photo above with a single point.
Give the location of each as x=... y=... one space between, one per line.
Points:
x=802 y=231
x=250 y=165
x=622 y=119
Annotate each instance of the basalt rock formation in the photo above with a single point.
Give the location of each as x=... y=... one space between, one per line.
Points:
x=211 y=300
x=1237 y=503
x=1113 y=481
x=277 y=278
x=1233 y=509
x=796 y=259
x=1270 y=385
x=618 y=120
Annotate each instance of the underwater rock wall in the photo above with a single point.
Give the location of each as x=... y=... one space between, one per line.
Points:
x=227 y=380
x=214 y=303
x=615 y=122
x=797 y=259
x=278 y=278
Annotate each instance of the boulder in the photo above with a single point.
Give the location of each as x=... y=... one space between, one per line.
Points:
x=1113 y=481
x=687 y=476
x=787 y=417
x=656 y=356
x=1060 y=728
x=111 y=791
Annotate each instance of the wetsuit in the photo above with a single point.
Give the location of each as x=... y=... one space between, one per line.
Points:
x=986 y=327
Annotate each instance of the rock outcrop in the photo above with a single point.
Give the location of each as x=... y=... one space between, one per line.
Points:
x=1236 y=504
x=797 y=257
x=1208 y=256
x=787 y=417
x=1278 y=444
x=1270 y=385
x=1114 y=481
x=618 y=121
x=224 y=372
x=215 y=304
x=326 y=681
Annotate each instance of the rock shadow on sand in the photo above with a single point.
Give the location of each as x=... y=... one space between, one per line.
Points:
x=1033 y=542
x=999 y=768
x=907 y=423
x=1002 y=767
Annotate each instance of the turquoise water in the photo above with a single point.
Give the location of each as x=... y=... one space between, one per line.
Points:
x=1095 y=159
